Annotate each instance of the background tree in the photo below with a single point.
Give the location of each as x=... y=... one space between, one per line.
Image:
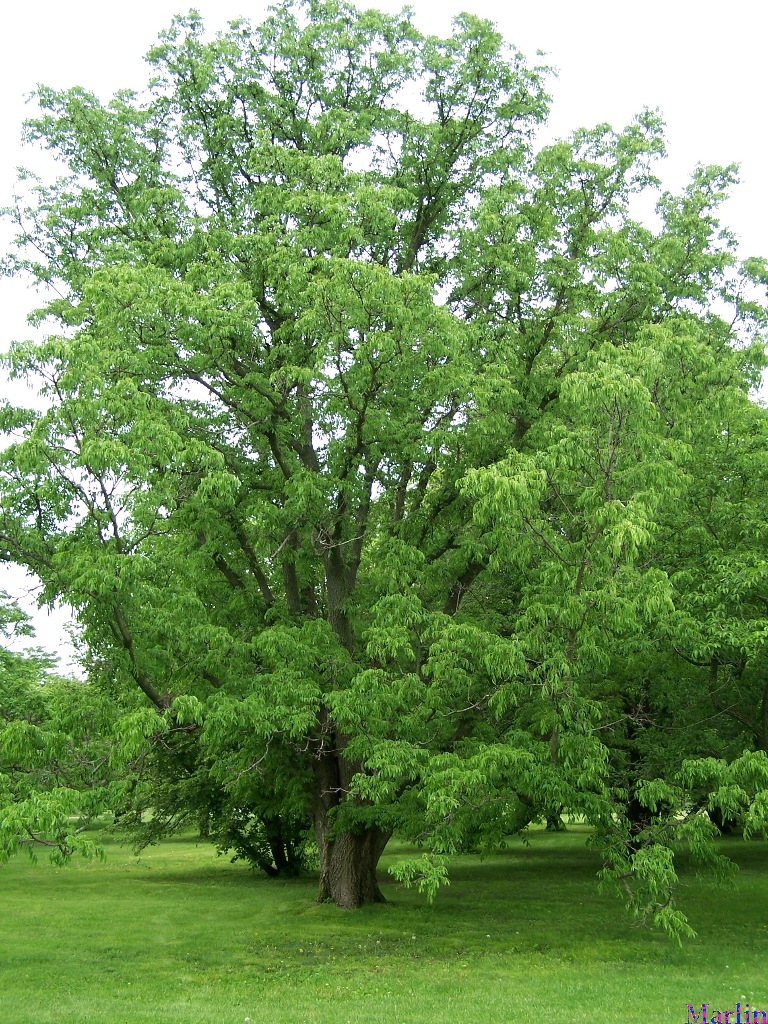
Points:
x=55 y=773
x=249 y=801
x=367 y=424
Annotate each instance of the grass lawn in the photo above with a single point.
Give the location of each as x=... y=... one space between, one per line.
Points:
x=179 y=936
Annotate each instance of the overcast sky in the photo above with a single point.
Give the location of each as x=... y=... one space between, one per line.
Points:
x=702 y=64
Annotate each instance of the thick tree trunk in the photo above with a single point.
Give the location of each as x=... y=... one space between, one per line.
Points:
x=348 y=867
x=348 y=857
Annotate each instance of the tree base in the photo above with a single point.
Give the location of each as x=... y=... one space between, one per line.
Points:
x=348 y=869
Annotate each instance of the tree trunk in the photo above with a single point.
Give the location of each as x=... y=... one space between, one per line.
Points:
x=726 y=826
x=280 y=839
x=348 y=867
x=348 y=857
x=555 y=823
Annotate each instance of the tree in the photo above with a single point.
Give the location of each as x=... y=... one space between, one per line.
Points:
x=55 y=774
x=241 y=800
x=367 y=423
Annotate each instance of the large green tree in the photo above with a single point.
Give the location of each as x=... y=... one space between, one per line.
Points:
x=369 y=425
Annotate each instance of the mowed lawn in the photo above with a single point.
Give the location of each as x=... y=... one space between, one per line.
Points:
x=179 y=935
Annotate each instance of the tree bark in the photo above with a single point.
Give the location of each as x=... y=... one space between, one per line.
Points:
x=348 y=858
x=348 y=867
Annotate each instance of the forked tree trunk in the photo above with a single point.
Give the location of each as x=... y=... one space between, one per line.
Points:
x=348 y=867
x=287 y=862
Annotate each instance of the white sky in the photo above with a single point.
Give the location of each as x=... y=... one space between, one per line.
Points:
x=702 y=64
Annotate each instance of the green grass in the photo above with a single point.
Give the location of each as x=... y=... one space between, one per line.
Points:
x=179 y=936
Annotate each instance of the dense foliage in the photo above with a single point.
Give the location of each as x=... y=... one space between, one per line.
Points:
x=411 y=483
x=55 y=772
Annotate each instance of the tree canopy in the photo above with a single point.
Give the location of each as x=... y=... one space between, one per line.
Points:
x=405 y=481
